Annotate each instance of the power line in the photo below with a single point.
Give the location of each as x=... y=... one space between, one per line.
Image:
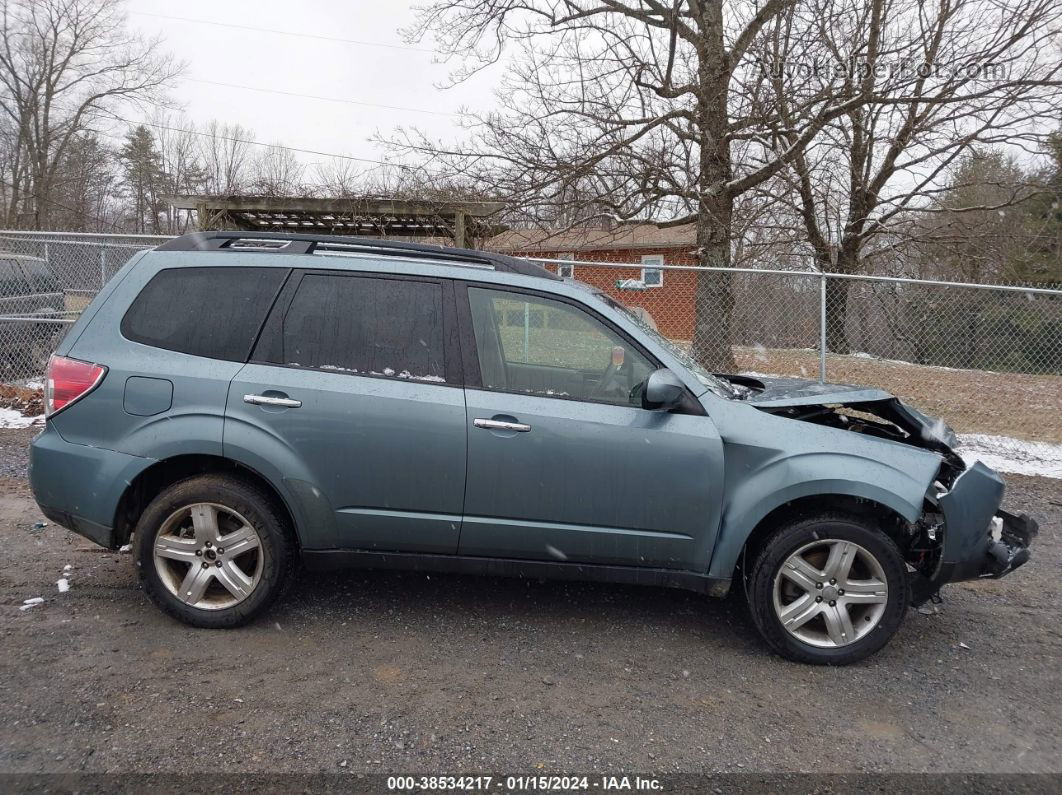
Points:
x=248 y=141
x=323 y=99
x=283 y=32
x=252 y=143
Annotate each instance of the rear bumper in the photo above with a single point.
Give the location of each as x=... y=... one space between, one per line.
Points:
x=79 y=487
x=980 y=539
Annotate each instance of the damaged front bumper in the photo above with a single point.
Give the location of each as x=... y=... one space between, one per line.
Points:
x=980 y=540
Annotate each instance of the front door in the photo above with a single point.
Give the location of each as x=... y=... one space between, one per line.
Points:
x=563 y=463
x=351 y=394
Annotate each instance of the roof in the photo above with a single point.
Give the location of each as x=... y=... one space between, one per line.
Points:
x=635 y=235
x=273 y=243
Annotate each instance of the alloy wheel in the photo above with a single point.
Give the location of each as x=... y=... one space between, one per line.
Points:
x=208 y=556
x=830 y=593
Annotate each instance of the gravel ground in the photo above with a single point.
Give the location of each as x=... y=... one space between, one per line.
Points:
x=386 y=672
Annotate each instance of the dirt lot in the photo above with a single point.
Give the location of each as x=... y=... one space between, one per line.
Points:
x=389 y=672
x=971 y=401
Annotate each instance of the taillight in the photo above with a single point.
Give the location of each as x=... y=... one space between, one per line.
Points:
x=68 y=381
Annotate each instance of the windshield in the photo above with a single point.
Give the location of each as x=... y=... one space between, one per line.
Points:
x=714 y=383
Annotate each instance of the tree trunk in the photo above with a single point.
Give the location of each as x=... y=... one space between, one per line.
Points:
x=837 y=315
x=848 y=261
x=714 y=302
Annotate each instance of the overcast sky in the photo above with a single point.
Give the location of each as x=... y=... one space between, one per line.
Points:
x=394 y=75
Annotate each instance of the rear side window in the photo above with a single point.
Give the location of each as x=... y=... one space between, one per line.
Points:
x=211 y=312
x=364 y=326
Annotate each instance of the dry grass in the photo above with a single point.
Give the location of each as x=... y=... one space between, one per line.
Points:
x=971 y=401
x=28 y=401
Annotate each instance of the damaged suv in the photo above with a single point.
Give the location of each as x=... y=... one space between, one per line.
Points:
x=237 y=402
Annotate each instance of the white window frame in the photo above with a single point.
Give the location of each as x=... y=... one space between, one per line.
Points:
x=653 y=260
x=566 y=271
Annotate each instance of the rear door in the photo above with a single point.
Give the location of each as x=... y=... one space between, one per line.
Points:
x=354 y=391
x=563 y=463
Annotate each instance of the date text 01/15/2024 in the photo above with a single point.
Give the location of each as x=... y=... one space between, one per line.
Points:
x=532 y=783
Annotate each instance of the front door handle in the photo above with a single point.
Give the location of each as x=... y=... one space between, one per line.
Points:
x=499 y=425
x=268 y=400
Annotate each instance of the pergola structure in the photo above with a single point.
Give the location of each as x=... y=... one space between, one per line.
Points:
x=462 y=222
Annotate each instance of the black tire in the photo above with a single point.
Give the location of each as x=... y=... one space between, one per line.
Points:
x=258 y=508
x=791 y=538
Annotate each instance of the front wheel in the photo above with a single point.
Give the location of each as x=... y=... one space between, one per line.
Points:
x=828 y=590
x=213 y=551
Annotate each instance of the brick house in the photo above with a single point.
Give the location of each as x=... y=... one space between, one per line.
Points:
x=667 y=295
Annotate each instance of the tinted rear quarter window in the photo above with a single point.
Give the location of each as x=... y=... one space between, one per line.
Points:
x=213 y=312
x=362 y=325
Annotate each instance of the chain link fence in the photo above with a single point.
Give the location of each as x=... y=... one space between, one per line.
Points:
x=999 y=328
x=48 y=278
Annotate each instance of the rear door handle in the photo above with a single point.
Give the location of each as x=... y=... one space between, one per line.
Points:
x=267 y=400
x=499 y=425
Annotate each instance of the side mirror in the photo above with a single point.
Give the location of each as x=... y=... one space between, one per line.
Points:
x=663 y=390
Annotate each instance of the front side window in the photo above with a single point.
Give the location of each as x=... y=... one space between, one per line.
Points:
x=213 y=312
x=540 y=346
x=365 y=326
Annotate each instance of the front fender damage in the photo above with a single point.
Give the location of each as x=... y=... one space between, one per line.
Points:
x=961 y=534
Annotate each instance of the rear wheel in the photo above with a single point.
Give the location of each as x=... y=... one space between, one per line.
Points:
x=828 y=590
x=213 y=551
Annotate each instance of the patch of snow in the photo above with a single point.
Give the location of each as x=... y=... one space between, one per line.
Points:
x=63 y=584
x=12 y=418
x=754 y=374
x=30 y=603
x=125 y=548
x=1016 y=456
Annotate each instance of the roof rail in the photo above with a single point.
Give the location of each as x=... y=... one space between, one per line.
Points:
x=284 y=243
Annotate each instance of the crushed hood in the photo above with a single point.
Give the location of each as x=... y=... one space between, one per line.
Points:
x=777 y=394
x=803 y=392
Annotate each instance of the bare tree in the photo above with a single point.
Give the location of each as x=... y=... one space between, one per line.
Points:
x=637 y=109
x=970 y=72
x=277 y=172
x=181 y=162
x=338 y=178
x=226 y=155
x=64 y=65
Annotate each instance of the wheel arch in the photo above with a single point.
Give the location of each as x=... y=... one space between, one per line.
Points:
x=143 y=488
x=876 y=514
x=744 y=528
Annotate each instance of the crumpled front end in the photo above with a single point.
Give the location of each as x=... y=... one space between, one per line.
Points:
x=971 y=536
x=963 y=534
